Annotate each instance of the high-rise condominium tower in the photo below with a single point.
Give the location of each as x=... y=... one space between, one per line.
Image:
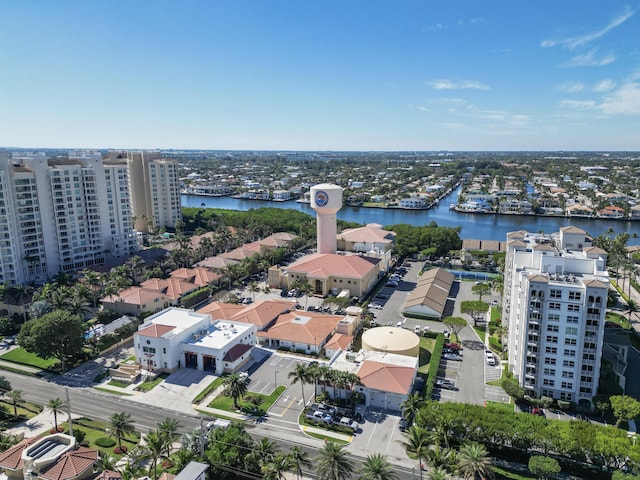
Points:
x=61 y=215
x=155 y=190
x=555 y=302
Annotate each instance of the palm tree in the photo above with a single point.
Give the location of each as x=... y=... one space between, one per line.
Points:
x=417 y=443
x=154 y=448
x=300 y=374
x=333 y=463
x=300 y=459
x=264 y=451
x=16 y=397
x=131 y=469
x=445 y=458
x=106 y=461
x=276 y=467
x=474 y=461
x=181 y=459
x=56 y=405
x=119 y=425
x=377 y=467
x=236 y=387
x=5 y=385
x=168 y=429
x=410 y=407
x=438 y=474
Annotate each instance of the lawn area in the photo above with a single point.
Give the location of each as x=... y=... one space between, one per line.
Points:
x=21 y=356
x=501 y=474
x=94 y=429
x=25 y=411
x=224 y=402
x=426 y=347
x=507 y=408
x=495 y=314
x=150 y=384
x=208 y=389
x=118 y=383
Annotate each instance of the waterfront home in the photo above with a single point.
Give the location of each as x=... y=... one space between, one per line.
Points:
x=413 y=202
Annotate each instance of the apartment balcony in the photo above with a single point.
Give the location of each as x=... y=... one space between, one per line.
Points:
x=591 y=351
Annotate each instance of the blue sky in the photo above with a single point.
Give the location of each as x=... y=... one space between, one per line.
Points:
x=321 y=75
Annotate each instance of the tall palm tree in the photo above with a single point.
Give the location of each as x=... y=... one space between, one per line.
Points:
x=264 y=451
x=56 y=405
x=410 y=407
x=300 y=374
x=106 y=461
x=277 y=466
x=377 y=467
x=438 y=473
x=417 y=442
x=168 y=429
x=474 y=461
x=153 y=450
x=300 y=459
x=119 y=425
x=236 y=387
x=16 y=398
x=445 y=458
x=333 y=463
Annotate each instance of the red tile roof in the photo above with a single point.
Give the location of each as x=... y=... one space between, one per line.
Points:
x=339 y=341
x=236 y=352
x=384 y=377
x=221 y=311
x=325 y=265
x=302 y=327
x=11 y=459
x=263 y=312
x=155 y=330
x=71 y=465
x=200 y=276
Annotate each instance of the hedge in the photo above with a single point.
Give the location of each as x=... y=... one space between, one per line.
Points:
x=434 y=364
x=105 y=442
x=195 y=297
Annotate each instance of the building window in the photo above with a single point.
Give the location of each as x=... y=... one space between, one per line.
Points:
x=571 y=331
x=552 y=350
x=569 y=352
x=568 y=385
x=566 y=396
x=552 y=328
x=548 y=382
x=164 y=350
x=549 y=371
x=148 y=350
x=568 y=363
x=549 y=361
x=575 y=295
x=555 y=293
x=569 y=341
x=553 y=317
x=567 y=374
x=554 y=306
x=552 y=339
x=573 y=319
x=573 y=308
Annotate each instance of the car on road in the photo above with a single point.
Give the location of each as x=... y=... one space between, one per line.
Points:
x=320 y=416
x=400 y=324
x=373 y=323
x=425 y=330
x=389 y=324
x=490 y=357
x=416 y=329
x=403 y=425
x=446 y=384
x=375 y=306
x=391 y=284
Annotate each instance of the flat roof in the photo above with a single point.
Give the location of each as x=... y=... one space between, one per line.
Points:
x=179 y=318
x=354 y=361
x=219 y=334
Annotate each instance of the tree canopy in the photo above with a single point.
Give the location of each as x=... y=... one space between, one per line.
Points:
x=57 y=334
x=439 y=241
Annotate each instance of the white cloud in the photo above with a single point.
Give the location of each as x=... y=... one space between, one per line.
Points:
x=589 y=59
x=625 y=100
x=604 y=85
x=456 y=102
x=578 y=104
x=464 y=85
x=476 y=21
x=435 y=27
x=574 y=42
x=573 y=87
x=420 y=108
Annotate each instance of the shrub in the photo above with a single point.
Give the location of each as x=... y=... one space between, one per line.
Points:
x=434 y=364
x=79 y=435
x=105 y=442
x=564 y=405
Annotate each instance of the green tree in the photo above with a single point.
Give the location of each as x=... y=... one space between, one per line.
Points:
x=333 y=463
x=438 y=473
x=236 y=387
x=624 y=408
x=377 y=467
x=154 y=450
x=474 y=308
x=455 y=324
x=16 y=398
x=276 y=467
x=300 y=459
x=57 y=334
x=56 y=405
x=106 y=461
x=120 y=424
x=481 y=289
x=300 y=374
x=168 y=429
x=474 y=461
x=543 y=467
x=5 y=385
x=417 y=442
x=228 y=451
x=410 y=407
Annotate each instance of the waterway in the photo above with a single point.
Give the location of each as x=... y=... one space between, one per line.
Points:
x=476 y=226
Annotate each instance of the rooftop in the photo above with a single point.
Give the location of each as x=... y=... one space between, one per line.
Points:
x=219 y=334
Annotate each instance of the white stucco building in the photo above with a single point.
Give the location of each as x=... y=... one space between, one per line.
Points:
x=176 y=337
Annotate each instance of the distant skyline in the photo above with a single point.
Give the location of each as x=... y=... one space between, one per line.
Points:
x=321 y=75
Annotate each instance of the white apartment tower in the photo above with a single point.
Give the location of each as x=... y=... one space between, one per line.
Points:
x=62 y=215
x=555 y=299
x=155 y=190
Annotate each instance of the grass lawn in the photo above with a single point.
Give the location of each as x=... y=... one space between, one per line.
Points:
x=224 y=402
x=208 y=389
x=326 y=438
x=501 y=474
x=150 y=384
x=21 y=356
x=95 y=429
x=117 y=383
x=115 y=392
x=426 y=347
x=495 y=314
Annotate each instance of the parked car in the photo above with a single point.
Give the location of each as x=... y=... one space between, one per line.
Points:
x=400 y=324
x=537 y=411
x=320 y=416
x=416 y=329
x=454 y=346
x=347 y=422
x=391 y=284
x=403 y=425
x=452 y=356
x=491 y=359
x=375 y=306
x=494 y=303
x=446 y=384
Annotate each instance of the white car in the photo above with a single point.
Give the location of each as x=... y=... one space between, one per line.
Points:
x=399 y=324
x=347 y=422
x=416 y=329
x=491 y=359
x=375 y=306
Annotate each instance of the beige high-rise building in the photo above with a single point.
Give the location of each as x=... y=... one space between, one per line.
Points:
x=60 y=215
x=155 y=190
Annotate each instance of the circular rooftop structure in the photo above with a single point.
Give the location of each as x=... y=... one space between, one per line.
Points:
x=391 y=340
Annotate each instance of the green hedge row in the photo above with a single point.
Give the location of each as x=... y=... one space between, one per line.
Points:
x=196 y=297
x=434 y=364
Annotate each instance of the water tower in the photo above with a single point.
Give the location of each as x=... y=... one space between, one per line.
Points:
x=326 y=200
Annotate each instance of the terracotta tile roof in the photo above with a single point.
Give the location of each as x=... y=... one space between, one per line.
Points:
x=263 y=312
x=11 y=459
x=538 y=279
x=221 y=311
x=107 y=475
x=134 y=296
x=155 y=330
x=325 y=265
x=201 y=276
x=245 y=251
x=339 y=341
x=217 y=263
x=236 y=352
x=572 y=229
x=302 y=327
x=595 y=250
x=385 y=377
x=71 y=465
x=595 y=283
x=367 y=233
x=173 y=288
x=278 y=239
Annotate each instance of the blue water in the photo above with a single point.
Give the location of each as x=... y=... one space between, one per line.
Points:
x=476 y=226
